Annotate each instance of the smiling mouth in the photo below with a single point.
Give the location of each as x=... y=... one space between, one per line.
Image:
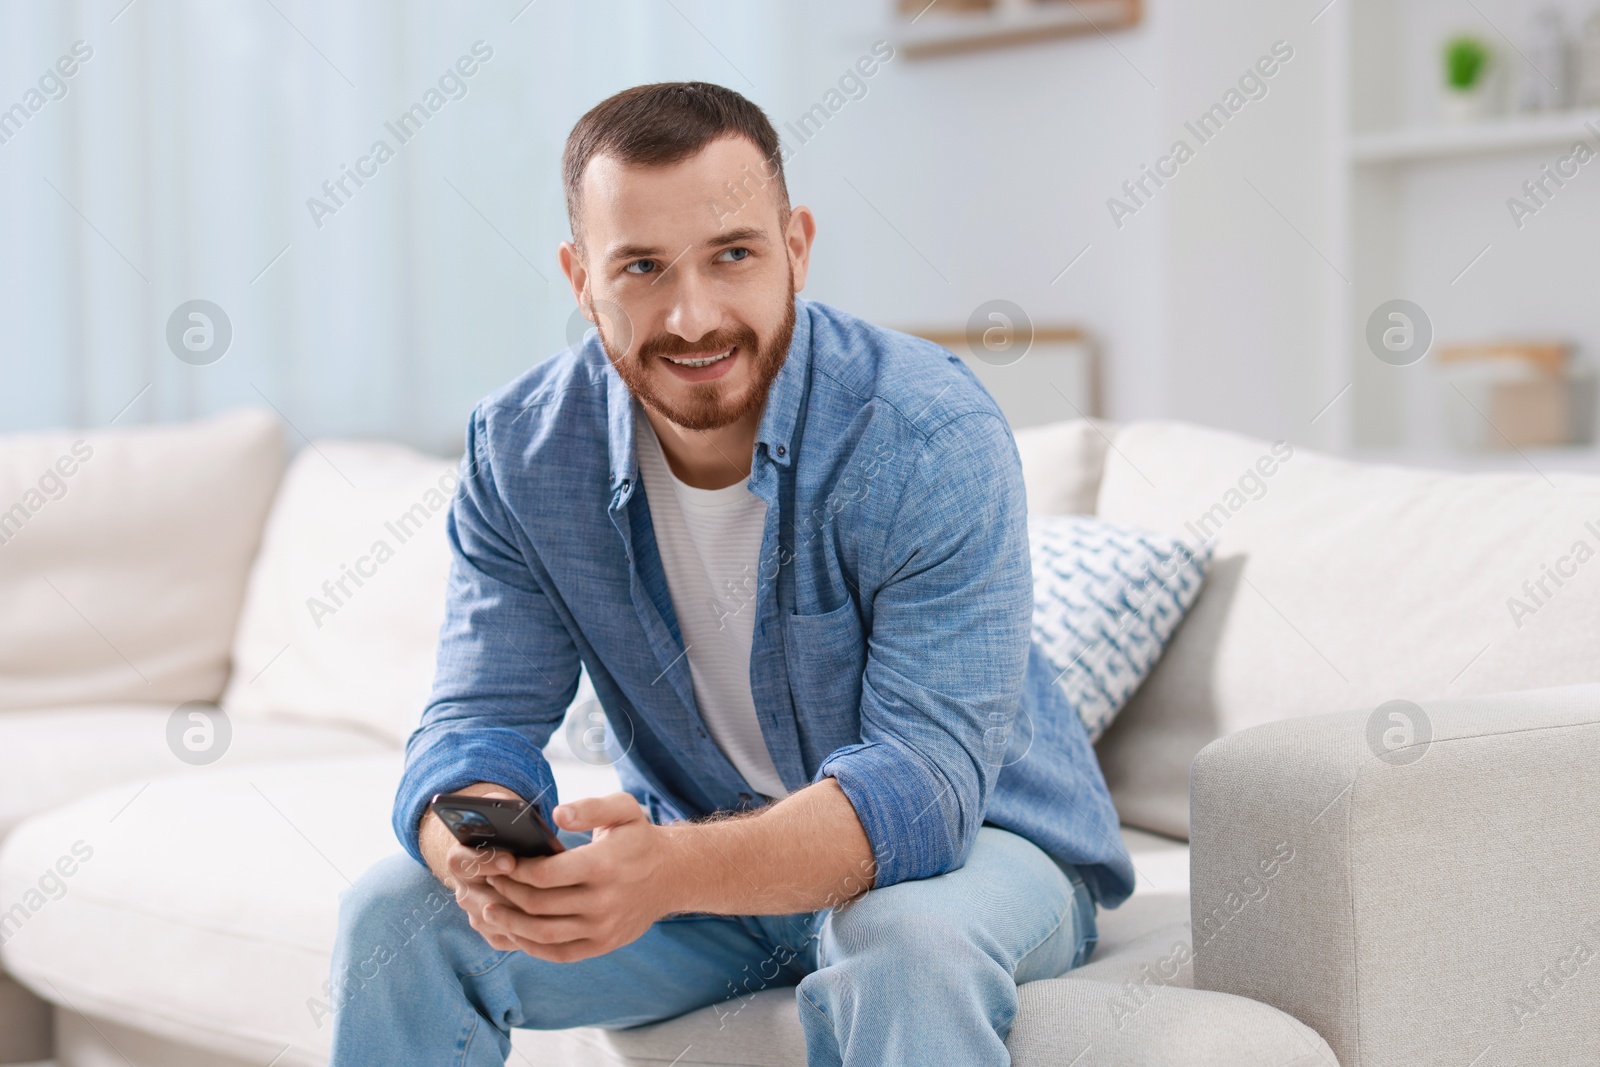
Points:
x=700 y=361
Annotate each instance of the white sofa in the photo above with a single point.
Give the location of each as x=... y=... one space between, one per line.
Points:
x=1358 y=895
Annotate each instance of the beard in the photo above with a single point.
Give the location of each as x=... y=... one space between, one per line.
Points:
x=708 y=405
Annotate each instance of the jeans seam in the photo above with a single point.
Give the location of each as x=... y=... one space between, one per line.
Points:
x=1041 y=942
x=466 y=1042
x=1088 y=942
x=477 y=1016
x=814 y=1005
x=505 y=955
x=1092 y=937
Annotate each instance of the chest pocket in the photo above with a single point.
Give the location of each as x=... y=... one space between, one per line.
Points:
x=826 y=655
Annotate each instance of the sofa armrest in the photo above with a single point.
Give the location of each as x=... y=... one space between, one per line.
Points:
x=1418 y=890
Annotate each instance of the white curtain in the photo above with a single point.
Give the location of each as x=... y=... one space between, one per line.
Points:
x=177 y=161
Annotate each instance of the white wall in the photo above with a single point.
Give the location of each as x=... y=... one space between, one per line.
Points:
x=194 y=137
x=995 y=166
x=1252 y=246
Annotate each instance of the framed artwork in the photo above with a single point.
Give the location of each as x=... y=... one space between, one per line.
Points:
x=1049 y=374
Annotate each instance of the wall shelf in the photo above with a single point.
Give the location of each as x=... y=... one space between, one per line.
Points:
x=932 y=32
x=1490 y=137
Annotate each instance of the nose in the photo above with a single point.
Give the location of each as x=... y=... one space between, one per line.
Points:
x=694 y=313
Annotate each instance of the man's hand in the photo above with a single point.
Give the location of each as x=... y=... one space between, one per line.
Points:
x=588 y=900
x=806 y=852
x=466 y=870
x=579 y=903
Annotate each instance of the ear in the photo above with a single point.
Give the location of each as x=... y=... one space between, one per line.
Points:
x=797 y=238
x=572 y=266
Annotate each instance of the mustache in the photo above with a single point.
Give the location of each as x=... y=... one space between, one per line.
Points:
x=667 y=344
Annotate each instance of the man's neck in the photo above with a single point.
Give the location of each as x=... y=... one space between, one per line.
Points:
x=707 y=459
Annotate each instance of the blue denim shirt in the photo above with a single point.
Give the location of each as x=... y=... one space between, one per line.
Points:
x=892 y=594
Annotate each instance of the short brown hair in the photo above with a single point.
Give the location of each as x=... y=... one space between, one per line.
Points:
x=664 y=123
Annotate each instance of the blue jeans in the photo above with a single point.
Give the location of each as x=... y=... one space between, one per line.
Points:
x=918 y=972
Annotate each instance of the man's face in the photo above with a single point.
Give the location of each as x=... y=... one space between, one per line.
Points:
x=693 y=287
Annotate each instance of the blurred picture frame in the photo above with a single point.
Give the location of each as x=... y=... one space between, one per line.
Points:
x=1051 y=376
x=932 y=28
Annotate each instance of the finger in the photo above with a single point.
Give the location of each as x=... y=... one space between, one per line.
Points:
x=540 y=930
x=575 y=866
x=563 y=900
x=501 y=942
x=476 y=902
x=473 y=897
x=494 y=938
x=592 y=813
x=529 y=947
x=566 y=952
x=468 y=864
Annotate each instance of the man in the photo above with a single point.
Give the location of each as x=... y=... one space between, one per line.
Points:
x=790 y=548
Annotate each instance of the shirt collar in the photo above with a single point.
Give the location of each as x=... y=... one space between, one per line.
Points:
x=624 y=462
x=786 y=397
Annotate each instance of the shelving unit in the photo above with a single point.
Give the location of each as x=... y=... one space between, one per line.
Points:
x=1490 y=137
x=1423 y=210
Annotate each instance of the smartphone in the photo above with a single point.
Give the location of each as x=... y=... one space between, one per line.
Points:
x=488 y=822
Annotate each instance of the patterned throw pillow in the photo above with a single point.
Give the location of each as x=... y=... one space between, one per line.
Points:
x=1106 y=599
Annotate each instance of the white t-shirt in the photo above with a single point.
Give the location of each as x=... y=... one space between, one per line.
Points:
x=710 y=543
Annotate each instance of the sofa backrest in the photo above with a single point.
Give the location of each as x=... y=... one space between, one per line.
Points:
x=330 y=633
x=1338 y=586
x=1062 y=463
x=123 y=558
x=347 y=595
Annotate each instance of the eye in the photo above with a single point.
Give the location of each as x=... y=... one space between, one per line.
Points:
x=739 y=254
x=649 y=266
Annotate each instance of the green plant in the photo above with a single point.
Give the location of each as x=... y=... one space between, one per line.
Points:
x=1465 y=60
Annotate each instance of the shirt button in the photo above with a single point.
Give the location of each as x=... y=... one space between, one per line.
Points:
x=745 y=798
x=782 y=451
x=702 y=733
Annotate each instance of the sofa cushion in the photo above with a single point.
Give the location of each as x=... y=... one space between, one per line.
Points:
x=222 y=883
x=226 y=885
x=1106 y=599
x=1103 y=1012
x=1091 y=1024
x=347 y=595
x=124 y=555
x=1186 y=1029
x=49 y=756
x=1337 y=585
x=1061 y=465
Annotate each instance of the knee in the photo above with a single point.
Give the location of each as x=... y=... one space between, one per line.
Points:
x=876 y=956
x=392 y=904
x=905 y=954
x=904 y=933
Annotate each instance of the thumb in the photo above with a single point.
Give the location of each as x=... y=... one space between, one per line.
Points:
x=594 y=813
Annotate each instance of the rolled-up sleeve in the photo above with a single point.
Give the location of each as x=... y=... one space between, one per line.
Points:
x=506 y=668
x=947 y=652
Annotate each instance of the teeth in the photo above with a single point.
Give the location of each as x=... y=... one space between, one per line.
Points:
x=704 y=361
